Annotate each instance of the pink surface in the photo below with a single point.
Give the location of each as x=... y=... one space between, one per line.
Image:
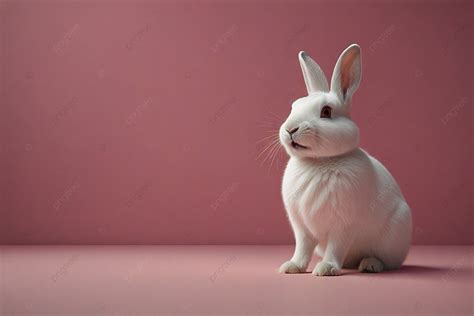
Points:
x=139 y=122
x=224 y=280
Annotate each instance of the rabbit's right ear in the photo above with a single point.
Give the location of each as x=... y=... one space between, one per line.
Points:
x=314 y=77
x=347 y=73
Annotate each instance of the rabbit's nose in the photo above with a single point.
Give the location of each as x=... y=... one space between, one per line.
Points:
x=293 y=130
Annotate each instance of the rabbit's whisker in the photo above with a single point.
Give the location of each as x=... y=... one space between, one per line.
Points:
x=275 y=153
x=270 y=152
x=266 y=138
x=268 y=146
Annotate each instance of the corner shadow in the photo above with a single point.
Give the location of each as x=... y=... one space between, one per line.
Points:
x=444 y=273
x=413 y=269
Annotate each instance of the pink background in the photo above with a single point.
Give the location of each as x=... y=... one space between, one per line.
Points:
x=138 y=122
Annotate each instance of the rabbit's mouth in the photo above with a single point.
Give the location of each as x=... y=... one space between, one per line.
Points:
x=295 y=145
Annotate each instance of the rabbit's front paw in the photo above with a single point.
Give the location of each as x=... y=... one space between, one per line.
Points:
x=290 y=267
x=325 y=269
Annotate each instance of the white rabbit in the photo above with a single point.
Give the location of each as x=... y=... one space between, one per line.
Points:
x=338 y=198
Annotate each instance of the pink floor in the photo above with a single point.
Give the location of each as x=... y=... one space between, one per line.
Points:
x=223 y=280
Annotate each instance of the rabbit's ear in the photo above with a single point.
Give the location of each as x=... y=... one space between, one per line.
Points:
x=314 y=77
x=347 y=72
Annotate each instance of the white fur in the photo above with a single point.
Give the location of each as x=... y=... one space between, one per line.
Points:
x=339 y=200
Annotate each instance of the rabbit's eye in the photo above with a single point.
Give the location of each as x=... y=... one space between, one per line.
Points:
x=326 y=112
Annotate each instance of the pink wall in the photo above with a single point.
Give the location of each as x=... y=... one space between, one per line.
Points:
x=134 y=122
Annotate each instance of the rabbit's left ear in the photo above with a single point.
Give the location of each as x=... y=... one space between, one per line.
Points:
x=347 y=73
